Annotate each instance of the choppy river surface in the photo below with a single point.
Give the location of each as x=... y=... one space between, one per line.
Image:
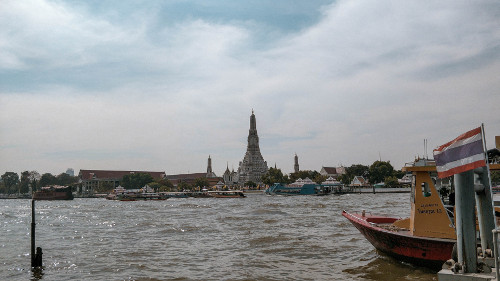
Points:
x=255 y=238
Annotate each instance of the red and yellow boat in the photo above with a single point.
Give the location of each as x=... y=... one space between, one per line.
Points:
x=427 y=237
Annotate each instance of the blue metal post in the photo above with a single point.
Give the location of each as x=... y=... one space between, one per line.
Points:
x=466 y=221
x=485 y=213
x=495 y=252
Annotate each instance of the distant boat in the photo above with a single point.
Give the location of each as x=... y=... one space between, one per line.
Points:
x=122 y=194
x=54 y=192
x=175 y=194
x=302 y=187
x=200 y=194
x=226 y=194
x=131 y=196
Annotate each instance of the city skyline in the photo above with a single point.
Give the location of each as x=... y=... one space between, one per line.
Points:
x=149 y=85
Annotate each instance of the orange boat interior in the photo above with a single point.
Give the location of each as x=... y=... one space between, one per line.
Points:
x=429 y=217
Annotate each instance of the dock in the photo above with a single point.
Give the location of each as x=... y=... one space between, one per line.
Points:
x=366 y=189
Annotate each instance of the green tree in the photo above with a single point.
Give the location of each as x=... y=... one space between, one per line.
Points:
x=391 y=181
x=319 y=178
x=304 y=174
x=273 y=176
x=495 y=177
x=165 y=182
x=34 y=178
x=184 y=186
x=251 y=184
x=165 y=188
x=136 y=180
x=155 y=186
x=47 y=179
x=10 y=179
x=24 y=185
x=399 y=174
x=352 y=171
x=104 y=187
x=201 y=182
x=65 y=179
x=165 y=185
x=379 y=170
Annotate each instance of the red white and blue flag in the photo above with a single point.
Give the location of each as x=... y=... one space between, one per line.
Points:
x=462 y=154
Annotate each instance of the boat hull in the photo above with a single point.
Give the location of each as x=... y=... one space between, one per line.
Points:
x=52 y=195
x=131 y=196
x=226 y=194
x=423 y=251
x=306 y=189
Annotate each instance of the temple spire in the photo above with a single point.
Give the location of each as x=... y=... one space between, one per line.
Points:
x=296 y=166
x=253 y=123
x=210 y=173
x=253 y=165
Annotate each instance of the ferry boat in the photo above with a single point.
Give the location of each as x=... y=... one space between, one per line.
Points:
x=122 y=194
x=200 y=194
x=176 y=194
x=427 y=237
x=226 y=194
x=300 y=187
x=133 y=196
x=54 y=192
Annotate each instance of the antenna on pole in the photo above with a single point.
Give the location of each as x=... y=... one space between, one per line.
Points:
x=425 y=149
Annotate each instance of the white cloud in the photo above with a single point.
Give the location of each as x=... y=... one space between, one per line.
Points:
x=368 y=77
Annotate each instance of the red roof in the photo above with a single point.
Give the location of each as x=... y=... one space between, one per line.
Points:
x=186 y=176
x=330 y=170
x=360 y=179
x=106 y=174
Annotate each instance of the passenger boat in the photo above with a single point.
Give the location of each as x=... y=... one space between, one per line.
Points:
x=176 y=194
x=226 y=194
x=427 y=237
x=132 y=196
x=55 y=192
x=122 y=194
x=200 y=194
x=300 y=187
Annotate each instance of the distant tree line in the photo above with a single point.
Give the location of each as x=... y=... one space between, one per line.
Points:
x=12 y=183
x=379 y=171
x=139 y=180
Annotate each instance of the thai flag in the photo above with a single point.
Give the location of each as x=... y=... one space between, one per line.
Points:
x=464 y=153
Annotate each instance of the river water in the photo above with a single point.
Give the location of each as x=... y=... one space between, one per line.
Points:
x=255 y=238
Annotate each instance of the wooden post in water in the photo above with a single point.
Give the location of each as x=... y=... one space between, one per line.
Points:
x=36 y=258
x=32 y=232
x=466 y=221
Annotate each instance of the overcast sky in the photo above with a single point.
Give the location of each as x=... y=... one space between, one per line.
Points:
x=161 y=85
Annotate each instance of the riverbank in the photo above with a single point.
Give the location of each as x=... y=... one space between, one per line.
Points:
x=251 y=191
x=379 y=190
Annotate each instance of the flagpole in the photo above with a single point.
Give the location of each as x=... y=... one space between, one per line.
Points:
x=485 y=206
x=486 y=158
x=495 y=231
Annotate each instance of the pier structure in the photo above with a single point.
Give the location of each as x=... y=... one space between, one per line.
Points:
x=475 y=262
